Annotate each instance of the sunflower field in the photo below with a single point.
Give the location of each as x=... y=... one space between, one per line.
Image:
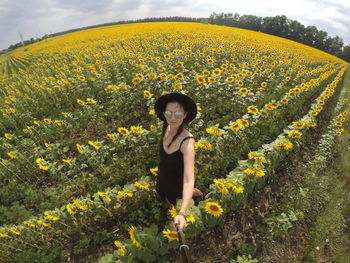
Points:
x=79 y=137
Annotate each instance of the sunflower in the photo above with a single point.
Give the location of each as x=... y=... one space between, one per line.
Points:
x=125 y=194
x=236 y=126
x=173 y=211
x=80 y=102
x=263 y=84
x=14 y=231
x=284 y=100
x=270 y=107
x=211 y=79
x=245 y=123
x=171 y=235
x=295 y=134
x=68 y=162
x=288 y=145
x=152 y=76
x=50 y=217
x=90 y=101
x=154 y=171
x=339 y=124
x=345 y=100
x=167 y=56
x=214 y=131
x=93 y=144
x=8 y=136
x=252 y=109
x=291 y=93
x=136 y=81
x=217 y=72
x=260 y=173
x=121 y=249
x=179 y=76
x=111 y=136
x=206 y=72
x=141 y=185
x=37 y=123
x=221 y=186
x=314 y=113
x=229 y=80
x=243 y=90
x=104 y=196
x=210 y=60
x=79 y=205
x=200 y=79
x=298 y=124
x=177 y=86
x=132 y=230
x=213 y=208
x=79 y=148
x=190 y=219
x=43 y=223
x=249 y=171
x=147 y=94
x=321 y=102
x=123 y=131
x=338 y=133
x=69 y=209
x=311 y=124
x=279 y=146
x=27 y=223
x=47 y=121
x=41 y=164
x=58 y=123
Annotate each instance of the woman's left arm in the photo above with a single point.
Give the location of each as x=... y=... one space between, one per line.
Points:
x=188 y=181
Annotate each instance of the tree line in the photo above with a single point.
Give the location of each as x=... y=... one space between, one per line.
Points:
x=287 y=28
x=278 y=25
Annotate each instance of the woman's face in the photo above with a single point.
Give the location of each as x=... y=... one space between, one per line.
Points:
x=174 y=114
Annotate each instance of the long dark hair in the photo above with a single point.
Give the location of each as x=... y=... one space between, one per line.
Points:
x=179 y=130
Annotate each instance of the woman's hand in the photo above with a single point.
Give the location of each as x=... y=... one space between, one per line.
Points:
x=180 y=222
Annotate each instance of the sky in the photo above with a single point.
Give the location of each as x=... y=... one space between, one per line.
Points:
x=35 y=18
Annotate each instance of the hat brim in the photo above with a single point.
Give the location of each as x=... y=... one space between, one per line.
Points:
x=188 y=103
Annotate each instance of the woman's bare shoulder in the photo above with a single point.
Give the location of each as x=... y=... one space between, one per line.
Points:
x=186 y=133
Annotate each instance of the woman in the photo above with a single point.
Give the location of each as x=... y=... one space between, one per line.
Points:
x=176 y=167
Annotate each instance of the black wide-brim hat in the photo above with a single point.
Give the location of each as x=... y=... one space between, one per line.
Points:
x=188 y=103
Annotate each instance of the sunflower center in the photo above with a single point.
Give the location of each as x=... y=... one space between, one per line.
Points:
x=214 y=208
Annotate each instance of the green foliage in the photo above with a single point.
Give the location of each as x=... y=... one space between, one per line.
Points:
x=244 y=259
x=152 y=249
x=279 y=224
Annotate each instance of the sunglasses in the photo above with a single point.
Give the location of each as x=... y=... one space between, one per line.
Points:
x=177 y=114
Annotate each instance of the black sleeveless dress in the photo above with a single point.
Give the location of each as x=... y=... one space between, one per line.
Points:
x=170 y=173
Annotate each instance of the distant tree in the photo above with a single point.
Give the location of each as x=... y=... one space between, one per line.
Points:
x=295 y=30
x=250 y=22
x=334 y=45
x=275 y=25
x=346 y=53
x=320 y=39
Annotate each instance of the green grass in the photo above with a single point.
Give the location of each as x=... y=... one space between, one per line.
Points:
x=329 y=239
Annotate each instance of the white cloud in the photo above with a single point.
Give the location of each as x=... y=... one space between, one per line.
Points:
x=36 y=17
